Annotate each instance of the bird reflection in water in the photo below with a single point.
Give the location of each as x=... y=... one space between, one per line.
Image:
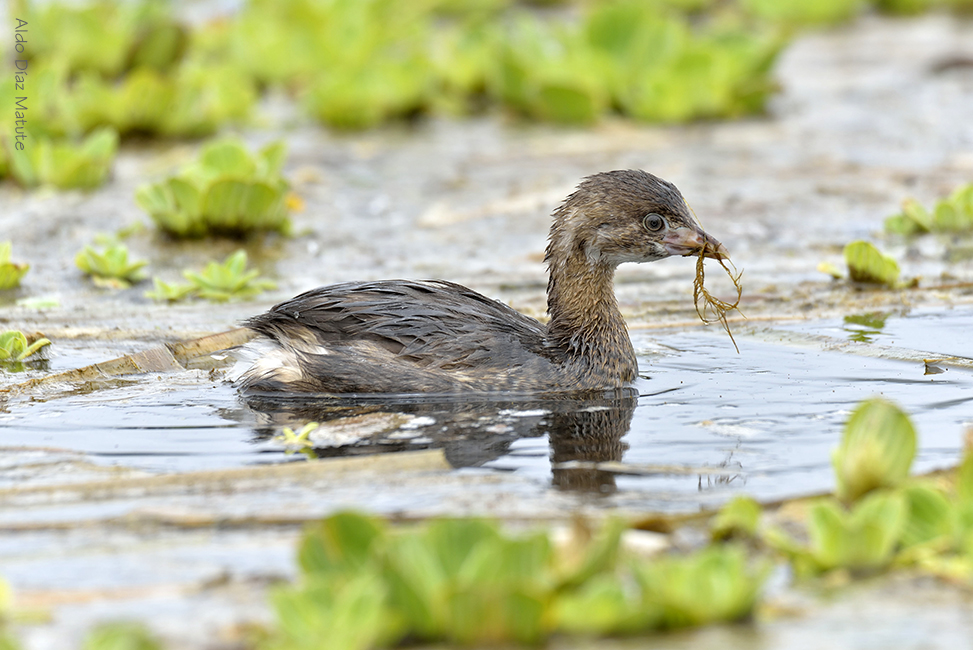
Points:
x=583 y=428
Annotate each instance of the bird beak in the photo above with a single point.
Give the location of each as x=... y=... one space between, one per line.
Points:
x=688 y=241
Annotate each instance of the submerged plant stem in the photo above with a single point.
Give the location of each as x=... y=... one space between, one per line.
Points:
x=713 y=309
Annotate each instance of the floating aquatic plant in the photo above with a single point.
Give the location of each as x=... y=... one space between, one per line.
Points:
x=709 y=308
x=103 y=37
x=863 y=538
x=876 y=451
x=110 y=266
x=951 y=214
x=192 y=101
x=660 y=67
x=805 y=12
x=64 y=162
x=217 y=282
x=14 y=345
x=227 y=191
x=11 y=273
x=737 y=519
x=298 y=441
x=868 y=264
x=122 y=635
x=466 y=581
x=6 y=642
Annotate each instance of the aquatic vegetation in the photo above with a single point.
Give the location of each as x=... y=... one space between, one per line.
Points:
x=217 y=282
x=885 y=518
x=876 y=451
x=192 y=101
x=466 y=581
x=128 y=67
x=120 y=636
x=805 y=12
x=863 y=538
x=868 y=264
x=227 y=191
x=358 y=64
x=6 y=641
x=11 y=273
x=65 y=163
x=299 y=441
x=660 y=68
x=110 y=267
x=14 y=345
x=707 y=304
x=103 y=37
x=951 y=214
x=739 y=518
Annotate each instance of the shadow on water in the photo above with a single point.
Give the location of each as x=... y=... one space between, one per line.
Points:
x=582 y=429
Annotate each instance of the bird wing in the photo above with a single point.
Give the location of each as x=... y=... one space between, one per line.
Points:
x=402 y=327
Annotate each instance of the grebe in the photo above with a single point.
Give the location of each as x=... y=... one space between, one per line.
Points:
x=404 y=336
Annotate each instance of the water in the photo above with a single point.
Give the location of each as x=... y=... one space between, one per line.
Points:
x=763 y=421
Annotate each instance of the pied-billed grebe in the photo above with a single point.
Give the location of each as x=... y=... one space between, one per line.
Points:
x=403 y=336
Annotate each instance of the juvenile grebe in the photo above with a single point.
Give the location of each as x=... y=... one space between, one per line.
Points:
x=404 y=336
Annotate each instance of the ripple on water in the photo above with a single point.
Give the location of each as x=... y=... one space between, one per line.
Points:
x=763 y=421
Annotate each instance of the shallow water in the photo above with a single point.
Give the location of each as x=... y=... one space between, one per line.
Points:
x=762 y=421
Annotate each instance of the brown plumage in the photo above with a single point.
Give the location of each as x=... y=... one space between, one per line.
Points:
x=402 y=336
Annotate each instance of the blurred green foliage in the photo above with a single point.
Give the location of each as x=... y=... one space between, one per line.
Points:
x=230 y=280
x=10 y=272
x=885 y=518
x=361 y=62
x=951 y=214
x=120 y=636
x=365 y=585
x=136 y=68
x=66 y=163
x=110 y=266
x=6 y=641
x=876 y=451
x=226 y=191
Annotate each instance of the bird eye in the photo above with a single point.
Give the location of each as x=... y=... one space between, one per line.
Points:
x=653 y=222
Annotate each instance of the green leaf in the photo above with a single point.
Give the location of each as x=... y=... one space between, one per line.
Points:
x=270 y=160
x=121 y=636
x=169 y=292
x=453 y=540
x=10 y=273
x=342 y=543
x=863 y=539
x=876 y=450
x=227 y=158
x=418 y=586
x=603 y=606
x=714 y=585
x=964 y=479
x=590 y=553
x=738 y=518
x=350 y=615
x=14 y=345
x=867 y=264
x=930 y=516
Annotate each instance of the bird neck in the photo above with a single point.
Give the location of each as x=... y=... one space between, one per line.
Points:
x=586 y=323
